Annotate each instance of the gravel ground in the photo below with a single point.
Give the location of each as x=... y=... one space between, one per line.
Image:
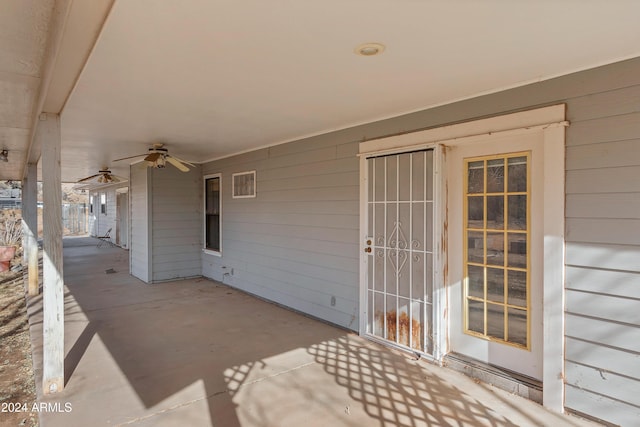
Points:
x=17 y=385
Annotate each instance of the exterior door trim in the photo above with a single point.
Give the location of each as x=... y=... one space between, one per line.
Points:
x=550 y=121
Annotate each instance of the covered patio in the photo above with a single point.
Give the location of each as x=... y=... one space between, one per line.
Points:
x=199 y=353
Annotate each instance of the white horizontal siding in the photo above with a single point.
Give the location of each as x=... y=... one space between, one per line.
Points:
x=602 y=331
x=611 y=359
x=614 y=411
x=620 y=309
x=611 y=282
x=604 y=256
x=616 y=387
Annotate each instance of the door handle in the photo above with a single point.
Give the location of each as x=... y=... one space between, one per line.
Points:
x=367 y=250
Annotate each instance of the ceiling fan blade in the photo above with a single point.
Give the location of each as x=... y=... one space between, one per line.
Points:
x=153 y=157
x=130 y=157
x=177 y=163
x=88 y=178
x=182 y=161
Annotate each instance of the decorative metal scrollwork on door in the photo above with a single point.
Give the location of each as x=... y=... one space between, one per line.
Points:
x=399 y=220
x=397 y=252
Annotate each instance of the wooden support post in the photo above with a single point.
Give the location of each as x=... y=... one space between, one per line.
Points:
x=30 y=227
x=53 y=285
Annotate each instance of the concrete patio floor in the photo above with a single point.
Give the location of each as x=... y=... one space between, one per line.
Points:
x=198 y=353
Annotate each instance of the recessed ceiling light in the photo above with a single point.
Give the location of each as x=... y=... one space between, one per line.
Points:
x=369 y=49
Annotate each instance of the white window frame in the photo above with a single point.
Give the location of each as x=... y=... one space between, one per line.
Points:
x=103 y=203
x=233 y=185
x=204 y=213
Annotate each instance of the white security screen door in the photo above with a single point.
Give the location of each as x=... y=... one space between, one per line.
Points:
x=399 y=246
x=464 y=243
x=495 y=251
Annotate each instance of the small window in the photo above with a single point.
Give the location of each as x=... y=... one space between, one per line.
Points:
x=213 y=223
x=103 y=203
x=90 y=204
x=244 y=185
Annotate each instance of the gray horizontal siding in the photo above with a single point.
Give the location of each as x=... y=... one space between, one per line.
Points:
x=310 y=264
x=603 y=244
x=336 y=207
x=604 y=230
x=139 y=251
x=176 y=223
x=604 y=205
x=296 y=243
x=309 y=182
x=602 y=155
x=606 y=129
x=313 y=301
x=326 y=194
x=318 y=168
x=606 y=103
x=311 y=233
x=300 y=182
x=606 y=180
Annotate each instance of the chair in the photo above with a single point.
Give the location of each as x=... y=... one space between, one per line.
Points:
x=106 y=238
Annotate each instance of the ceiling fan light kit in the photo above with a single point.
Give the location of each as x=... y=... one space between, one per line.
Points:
x=104 y=176
x=158 y=157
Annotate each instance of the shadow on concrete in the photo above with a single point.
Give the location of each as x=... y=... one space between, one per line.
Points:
x=165 y=354
x=166 y=337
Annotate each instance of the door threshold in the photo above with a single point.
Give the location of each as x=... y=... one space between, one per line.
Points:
x=510 y=381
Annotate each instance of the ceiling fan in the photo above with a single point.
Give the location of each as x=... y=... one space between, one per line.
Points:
x=158 y=157
x=104 y=176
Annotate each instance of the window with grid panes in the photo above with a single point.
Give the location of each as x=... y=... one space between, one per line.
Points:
x=496 y=248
